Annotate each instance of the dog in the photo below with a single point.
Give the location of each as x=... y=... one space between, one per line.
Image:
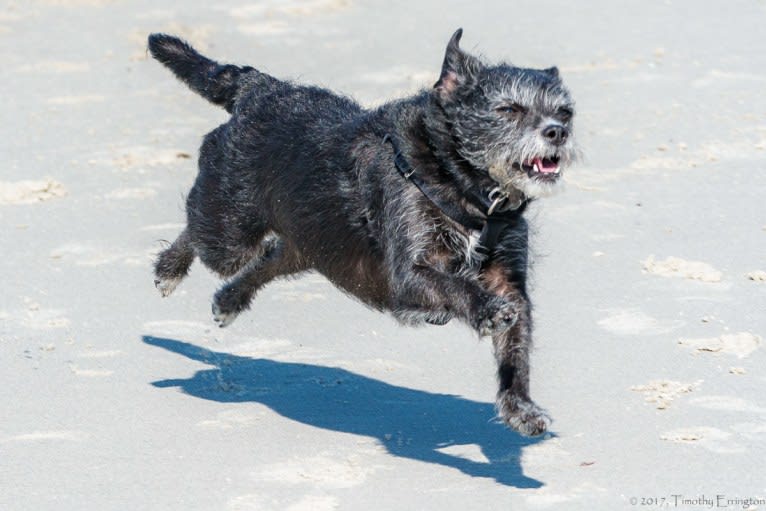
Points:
x=415 y=207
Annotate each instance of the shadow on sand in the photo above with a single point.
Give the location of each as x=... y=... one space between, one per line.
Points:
x=410 y=423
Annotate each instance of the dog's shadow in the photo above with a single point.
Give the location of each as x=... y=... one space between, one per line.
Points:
x=410 y=423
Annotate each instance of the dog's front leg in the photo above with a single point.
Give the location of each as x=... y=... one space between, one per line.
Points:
x=512 y=347
x=425 y=293
x=514 y=405
x=422 y=290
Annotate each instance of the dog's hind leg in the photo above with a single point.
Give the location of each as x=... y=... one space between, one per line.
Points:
x=235 y=296
x=173 y=263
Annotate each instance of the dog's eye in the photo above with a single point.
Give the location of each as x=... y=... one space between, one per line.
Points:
x=513 y=108
x=564 y=113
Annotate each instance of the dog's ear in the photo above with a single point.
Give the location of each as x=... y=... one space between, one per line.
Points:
x=552 y=71
x=459 y=68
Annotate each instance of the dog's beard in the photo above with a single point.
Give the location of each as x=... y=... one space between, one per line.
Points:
x=535 y=188
x=533 y=166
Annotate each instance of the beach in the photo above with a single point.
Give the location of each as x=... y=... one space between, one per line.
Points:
x=648 y=278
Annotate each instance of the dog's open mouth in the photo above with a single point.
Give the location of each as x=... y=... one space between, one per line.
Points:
x=541 y=168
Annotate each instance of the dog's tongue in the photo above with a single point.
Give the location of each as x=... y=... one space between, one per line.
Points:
x=545 y=166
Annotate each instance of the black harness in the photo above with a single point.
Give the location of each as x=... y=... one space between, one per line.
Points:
x=492 y=223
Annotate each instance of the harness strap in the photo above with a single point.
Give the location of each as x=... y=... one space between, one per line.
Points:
x=409 y=173
x=492 y=223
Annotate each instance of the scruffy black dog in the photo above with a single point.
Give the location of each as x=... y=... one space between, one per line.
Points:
x=414 y=207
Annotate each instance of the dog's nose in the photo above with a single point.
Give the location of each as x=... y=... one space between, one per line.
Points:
x=556 y=134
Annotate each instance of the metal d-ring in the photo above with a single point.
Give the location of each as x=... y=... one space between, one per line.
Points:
x=497 y=197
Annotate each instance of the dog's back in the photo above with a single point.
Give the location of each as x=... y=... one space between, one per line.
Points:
x=274 y=168
x=239 y=89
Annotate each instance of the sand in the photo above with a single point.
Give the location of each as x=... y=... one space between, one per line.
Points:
x=662 y=392
x=647 y=281
x=30 y=192
x=677 y=267
x=741 y=344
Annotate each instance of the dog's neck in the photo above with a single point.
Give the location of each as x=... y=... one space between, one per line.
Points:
x=491 y=215
x=444 y=149
x=425 y=153
x=428 y=144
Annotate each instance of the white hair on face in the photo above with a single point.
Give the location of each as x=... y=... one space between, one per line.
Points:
x=535 y=188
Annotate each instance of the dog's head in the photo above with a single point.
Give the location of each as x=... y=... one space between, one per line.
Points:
x=514 y=123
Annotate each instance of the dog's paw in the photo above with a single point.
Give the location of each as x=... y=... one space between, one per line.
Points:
x=229 y=302
x=523 y=416
x=166 y=286
x=497 y=316
x=223 y=318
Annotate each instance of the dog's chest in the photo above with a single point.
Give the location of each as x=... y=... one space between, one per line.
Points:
x=457 y=251
x=471 y=254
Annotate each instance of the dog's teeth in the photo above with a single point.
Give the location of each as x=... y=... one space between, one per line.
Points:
x=558 y=170
x=536 y=168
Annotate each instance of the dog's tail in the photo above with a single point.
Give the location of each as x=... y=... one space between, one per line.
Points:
x=218 y=83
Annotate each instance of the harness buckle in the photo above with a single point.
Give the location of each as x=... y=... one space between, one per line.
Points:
x=497 y=197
